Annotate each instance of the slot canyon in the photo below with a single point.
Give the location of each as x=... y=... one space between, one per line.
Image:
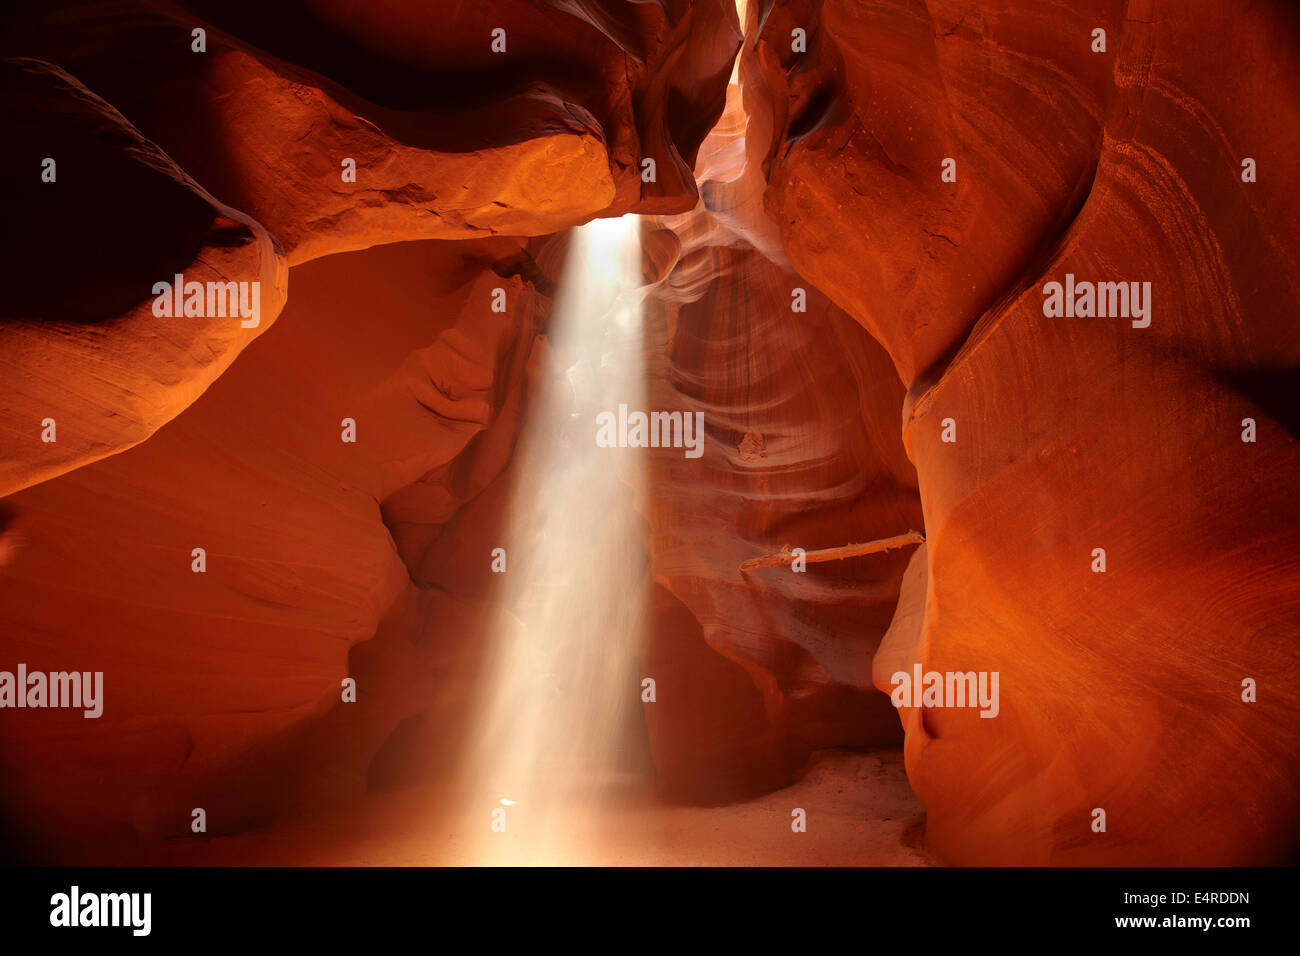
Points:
x=405 y=524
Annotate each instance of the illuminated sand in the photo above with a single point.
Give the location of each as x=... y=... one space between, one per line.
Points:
x=860 y=813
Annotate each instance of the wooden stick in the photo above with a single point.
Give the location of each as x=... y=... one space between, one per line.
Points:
x=786 y=556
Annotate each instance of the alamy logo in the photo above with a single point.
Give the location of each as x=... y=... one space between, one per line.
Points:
x=653 y=430
x=103 y=909
x=209 y=299
x=951 y=689
x=1084 y=300
x=57 y=689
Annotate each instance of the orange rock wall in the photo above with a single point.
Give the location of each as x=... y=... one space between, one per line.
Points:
x=1120 y=690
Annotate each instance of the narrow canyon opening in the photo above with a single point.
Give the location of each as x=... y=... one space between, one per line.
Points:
x=631 y=694
x=620 y=691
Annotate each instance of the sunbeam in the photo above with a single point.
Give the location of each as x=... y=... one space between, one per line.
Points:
x=560 y=684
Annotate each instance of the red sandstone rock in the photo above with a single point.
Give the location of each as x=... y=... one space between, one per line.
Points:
x=221 y=684
x=80 y=343
x=800 y=413
x=1120 y=690
x=450 y=139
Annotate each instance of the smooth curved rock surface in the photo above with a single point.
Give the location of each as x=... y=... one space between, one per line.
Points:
x=327 y=559
x=222 y=687
x=451 y=140
x=1120 y=690
x=80 y=343
x=800 y=411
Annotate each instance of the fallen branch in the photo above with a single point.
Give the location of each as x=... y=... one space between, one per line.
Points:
x=787 y=556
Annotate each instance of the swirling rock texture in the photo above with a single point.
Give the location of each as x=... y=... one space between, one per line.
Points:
x=803 y=451
x=451 y=137
x=1123 y=690
x=224 y=695
x=217 y=677
x=106 y=369
x=833 y=304
x=449 y=140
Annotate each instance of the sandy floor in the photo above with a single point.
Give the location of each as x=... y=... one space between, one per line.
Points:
x=859 y=811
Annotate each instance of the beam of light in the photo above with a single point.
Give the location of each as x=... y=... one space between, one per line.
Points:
x=742 y=11
x=560 y=691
